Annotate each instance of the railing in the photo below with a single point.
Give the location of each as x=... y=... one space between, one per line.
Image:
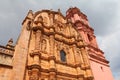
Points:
x=7 y=51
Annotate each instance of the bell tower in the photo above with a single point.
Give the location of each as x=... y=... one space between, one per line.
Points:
x=81 y=23
x=99 y=64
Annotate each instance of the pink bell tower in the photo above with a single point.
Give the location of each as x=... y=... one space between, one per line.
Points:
x=99 y=65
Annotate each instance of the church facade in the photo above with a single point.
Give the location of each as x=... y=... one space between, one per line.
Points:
x=54 y=47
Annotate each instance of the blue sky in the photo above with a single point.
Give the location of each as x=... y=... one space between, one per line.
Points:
x=103 y=15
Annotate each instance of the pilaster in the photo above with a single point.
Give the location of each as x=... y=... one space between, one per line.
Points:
x=52 y=68
x=85 y=57
x=35 y=69
x=20 y=54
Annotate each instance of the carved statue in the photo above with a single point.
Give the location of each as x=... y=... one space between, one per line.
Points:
x=44 y=45
x=40 y=20
x=45 y=21
x=51 y=19
x=28 y=25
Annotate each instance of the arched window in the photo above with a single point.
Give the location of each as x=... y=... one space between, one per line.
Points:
x=63 y=56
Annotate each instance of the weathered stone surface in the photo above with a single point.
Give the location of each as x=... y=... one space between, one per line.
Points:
x=51 y=47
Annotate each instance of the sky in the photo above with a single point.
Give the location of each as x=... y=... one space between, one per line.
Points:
x=103 y=16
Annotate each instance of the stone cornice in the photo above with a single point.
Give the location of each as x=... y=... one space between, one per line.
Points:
x=99 y=58
x=6 y=48
x=34 y=66
x=6 y=51
x=96 y=49
x=83 y=24
x=65 y=63
x=35 y=52
x=95 y=53
x=6 y=66
x=7 y=54
x=99 y=62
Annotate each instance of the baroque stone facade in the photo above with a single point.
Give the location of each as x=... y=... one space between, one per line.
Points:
x=51 y=47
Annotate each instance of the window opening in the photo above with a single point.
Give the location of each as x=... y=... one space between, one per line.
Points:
x=63 y=56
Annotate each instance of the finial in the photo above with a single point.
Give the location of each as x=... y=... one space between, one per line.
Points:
x=30 y=11
x=10 y=43
x=71 y=6
x=59 y=10
x=10 y=40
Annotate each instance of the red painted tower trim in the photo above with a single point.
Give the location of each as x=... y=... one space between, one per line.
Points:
x=99 y=64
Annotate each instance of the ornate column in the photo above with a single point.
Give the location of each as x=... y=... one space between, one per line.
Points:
x=51 y=42
x=76 y=56
x=78 y=62
x=34 y=69
x=86 y=66
x=52 y=69
x=84 y=56
x=80 y=73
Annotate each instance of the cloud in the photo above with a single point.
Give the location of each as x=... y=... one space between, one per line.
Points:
x=110 y=45
x=101 y=14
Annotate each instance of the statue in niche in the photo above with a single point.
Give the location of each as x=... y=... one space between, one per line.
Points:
x=28 y=25
x=60 y=27
x=45 y=21
x=59 y=16
x=56 y=50
x=39 y=21
x=76 y=51
x=57 y=27
x=57 y=45
x=67 y=30
x=51 y=19
x=44 y=45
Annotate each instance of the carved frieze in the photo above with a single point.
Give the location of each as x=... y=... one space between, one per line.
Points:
x=6 y=56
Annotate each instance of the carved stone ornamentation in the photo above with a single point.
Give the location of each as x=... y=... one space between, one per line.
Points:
x=53 y=47
x=44 y=45
x=34 y=72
